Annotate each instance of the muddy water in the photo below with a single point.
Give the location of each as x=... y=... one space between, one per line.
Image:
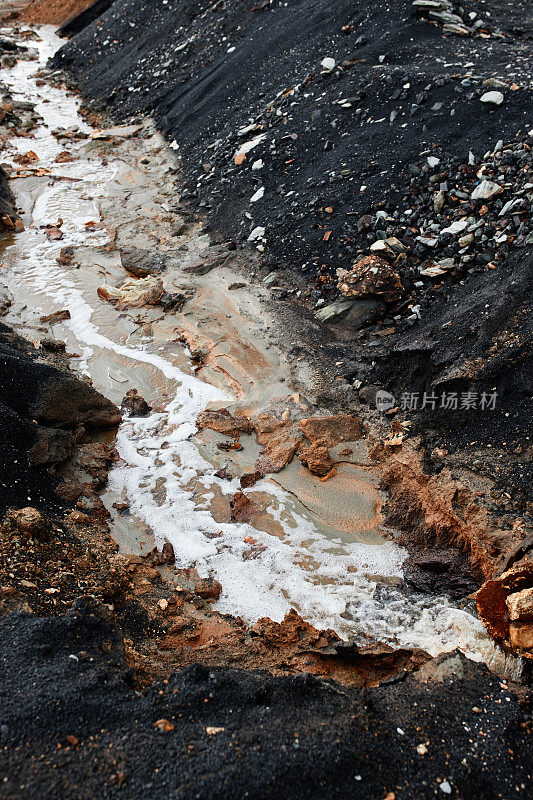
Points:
x=315 y=547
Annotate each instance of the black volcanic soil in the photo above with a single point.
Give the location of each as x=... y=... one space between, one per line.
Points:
x=83 y=732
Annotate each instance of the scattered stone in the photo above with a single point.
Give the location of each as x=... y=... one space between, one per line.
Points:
x=205 y=265
x=242 y=508
x=250 y=479
x=317 y=458
x=328 y=64
x=142 y=263
x=456 y=227
x=135 y=404
x=56 y=316
x=493 y=98
x=485 y=190
x=134 y=293
x=257 y=233
x=208 y=589
x=371 y=276
x=520 y=605
x=353 y=314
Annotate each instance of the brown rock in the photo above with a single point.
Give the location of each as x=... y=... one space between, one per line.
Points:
x=242 y=508
x=164 y=726
x=64 y=157
x=250 y=479
x=65 y=256
x=168 y=554
x=208 y=589
x=521 y=636
x=135 y=404
x=27 y=520
x=332 y=430
x=371 y=276
x=280 y=439
x=52 y=446
x=222 y=421
x=54 y=233
x=317 y=459
x=26 y=158
x=53 y=345
x=520 y=605
x=293 y=630
x=57 y=316
x=495 y=610
x=64 y=400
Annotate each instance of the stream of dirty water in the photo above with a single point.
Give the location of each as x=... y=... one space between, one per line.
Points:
x=348 y=579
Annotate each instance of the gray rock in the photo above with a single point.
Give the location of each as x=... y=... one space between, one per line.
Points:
x=350 y=313
x=494 y=98
x=142 y=263
x=5 y=300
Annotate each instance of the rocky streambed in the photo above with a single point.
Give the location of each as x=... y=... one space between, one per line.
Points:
x=239 y=489
x=319 y=546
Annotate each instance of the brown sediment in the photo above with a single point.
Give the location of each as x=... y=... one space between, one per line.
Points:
x=438 y=509
x=332 y=430
x=52 y=12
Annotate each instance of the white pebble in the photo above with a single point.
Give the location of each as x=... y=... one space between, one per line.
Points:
x=328 y=64
x=496 y=98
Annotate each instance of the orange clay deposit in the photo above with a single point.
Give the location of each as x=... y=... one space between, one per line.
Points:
x=52 y=12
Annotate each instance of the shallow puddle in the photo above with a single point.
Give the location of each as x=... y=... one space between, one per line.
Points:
x=314 y=546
